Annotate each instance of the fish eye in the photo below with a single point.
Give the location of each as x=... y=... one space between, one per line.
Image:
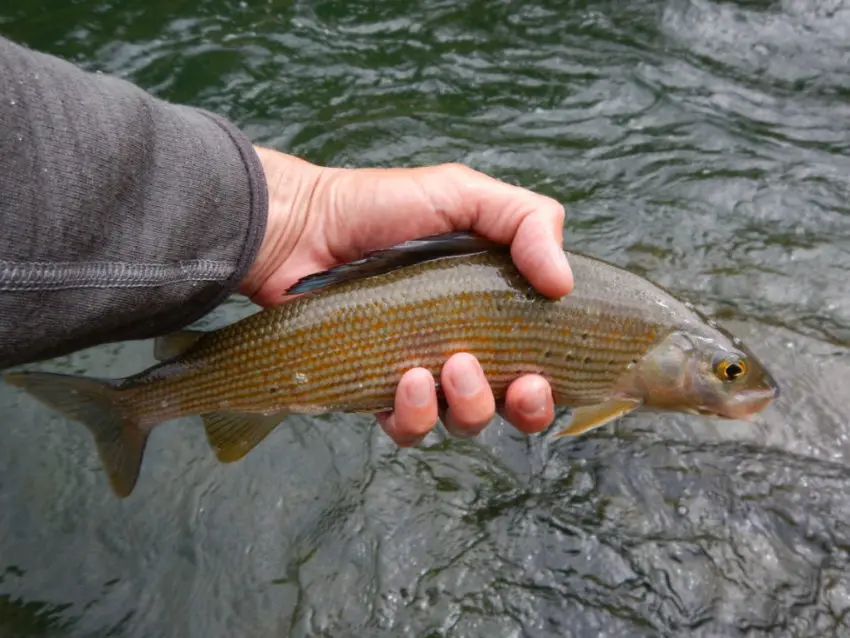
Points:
x=730 y=368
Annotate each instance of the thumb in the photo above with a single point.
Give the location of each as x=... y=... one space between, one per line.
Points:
x=531 y=223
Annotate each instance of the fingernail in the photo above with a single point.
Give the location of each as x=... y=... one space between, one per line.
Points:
x=467 y=383
x=559 y=261
x=534 y=401
x=561 y=257
x=419 y=393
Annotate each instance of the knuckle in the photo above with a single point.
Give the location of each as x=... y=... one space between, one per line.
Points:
x=473 y=415
x=530 y=423
x=464 y=427
x=408 y=441
x=457 y=167
x=460 y=172
x=558 y=211
x=553 y=209
x=413 y=422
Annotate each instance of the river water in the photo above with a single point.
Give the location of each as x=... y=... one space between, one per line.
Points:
x=701 y=143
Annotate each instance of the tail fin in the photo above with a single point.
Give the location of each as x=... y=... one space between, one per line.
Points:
x=95 y=403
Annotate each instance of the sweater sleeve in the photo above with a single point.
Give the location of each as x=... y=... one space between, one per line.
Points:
x=122 y=216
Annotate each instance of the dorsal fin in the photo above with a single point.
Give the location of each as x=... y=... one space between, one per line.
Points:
x=408 y=253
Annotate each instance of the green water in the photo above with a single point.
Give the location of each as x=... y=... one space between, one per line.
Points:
x=704 y=144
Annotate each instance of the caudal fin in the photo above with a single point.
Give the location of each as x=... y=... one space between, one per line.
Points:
x=95 y=403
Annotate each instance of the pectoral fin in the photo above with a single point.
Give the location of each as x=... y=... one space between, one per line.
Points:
x=592 y=416
x=176 y=343
x=233 y=434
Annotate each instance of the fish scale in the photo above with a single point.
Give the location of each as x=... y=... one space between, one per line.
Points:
x=345 y=344
x=385 y=329
x=304 y=332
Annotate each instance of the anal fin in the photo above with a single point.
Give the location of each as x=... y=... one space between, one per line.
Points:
x=589 y=417
x=232 y=435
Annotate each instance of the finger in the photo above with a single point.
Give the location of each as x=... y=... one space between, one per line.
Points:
x=529 y=406
x=469 y=397
x=414 y=412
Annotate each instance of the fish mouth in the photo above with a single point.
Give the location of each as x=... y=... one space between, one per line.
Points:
x=773 y=386
x=749 y=404
x=745 y=406
x=770 y=393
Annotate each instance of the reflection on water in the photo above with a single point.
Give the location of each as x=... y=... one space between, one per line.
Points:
x=704 y=144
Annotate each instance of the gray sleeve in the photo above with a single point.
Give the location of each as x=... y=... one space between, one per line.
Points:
x=123 y=216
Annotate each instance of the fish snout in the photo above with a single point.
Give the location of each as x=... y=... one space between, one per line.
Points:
x=752 y=402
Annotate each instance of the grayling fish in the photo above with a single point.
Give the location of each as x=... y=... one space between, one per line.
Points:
x=616 y=343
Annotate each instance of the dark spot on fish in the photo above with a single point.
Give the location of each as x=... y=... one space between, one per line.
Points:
x=548 y=355
x=584 y=336
x=273 y=389
x=586 y=360
x=634 y=360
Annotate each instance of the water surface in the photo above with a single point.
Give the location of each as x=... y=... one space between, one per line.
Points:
x=703 y=144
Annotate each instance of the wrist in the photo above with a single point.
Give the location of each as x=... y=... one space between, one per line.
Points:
x=291 y=184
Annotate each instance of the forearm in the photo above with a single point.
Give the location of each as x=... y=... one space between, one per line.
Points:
x=122 y=216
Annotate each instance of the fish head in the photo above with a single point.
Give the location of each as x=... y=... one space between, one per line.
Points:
x=708 y=375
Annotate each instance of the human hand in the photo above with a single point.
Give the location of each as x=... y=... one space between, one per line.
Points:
x=321 y=217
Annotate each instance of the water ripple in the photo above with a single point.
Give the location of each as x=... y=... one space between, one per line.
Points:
x=701 y=143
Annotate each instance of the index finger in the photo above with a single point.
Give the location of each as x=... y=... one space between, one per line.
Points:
x=389 y=206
